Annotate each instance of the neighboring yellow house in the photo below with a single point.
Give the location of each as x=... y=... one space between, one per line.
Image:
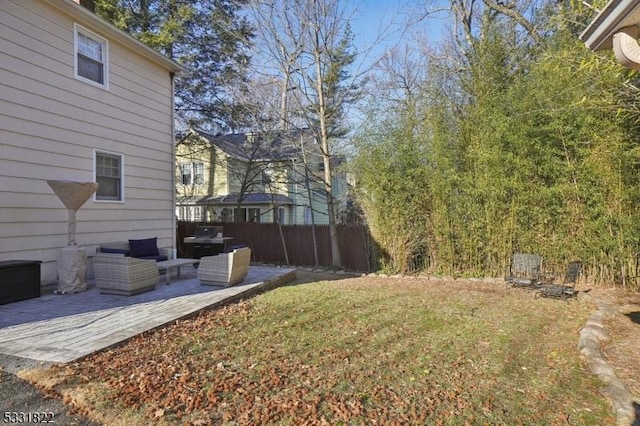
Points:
x=253 y=177
x=81 y=100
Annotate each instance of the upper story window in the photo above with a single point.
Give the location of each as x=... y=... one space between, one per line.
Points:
x=265 y=178
x=185 y=173
x=198 y=173
x=192 y=173
x=90 y=57
x=109 y=169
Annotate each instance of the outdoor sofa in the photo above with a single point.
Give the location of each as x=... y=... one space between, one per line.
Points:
x=225 y=269
x=128 y=267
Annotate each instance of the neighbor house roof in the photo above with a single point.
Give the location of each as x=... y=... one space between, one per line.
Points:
x=249 y=198
x=190 y=199
x=80 y=13
x=282 y=145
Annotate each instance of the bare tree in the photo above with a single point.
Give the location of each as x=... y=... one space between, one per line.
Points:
x=246 y=161
x=471 y=15
x=310 y=45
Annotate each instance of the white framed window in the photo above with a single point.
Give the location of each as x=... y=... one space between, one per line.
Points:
x=278 y=215
x=191 y=173
x=90 y=57
x=198 y=214
x=265 y=178
x=226 y=215
x=198 y=173
x=307 y=216
x=240 y=215
x=109 y=174
x=185 y=173
x=254 y=215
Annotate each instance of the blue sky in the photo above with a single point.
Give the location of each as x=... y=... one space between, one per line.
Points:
x=375 y=17
x=389 y=17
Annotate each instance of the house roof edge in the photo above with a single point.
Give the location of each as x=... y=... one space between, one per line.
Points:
x=615 y=15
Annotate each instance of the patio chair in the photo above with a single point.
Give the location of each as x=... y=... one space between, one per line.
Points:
x=566 y=289
x=525 y=271
x=119 y=274
x=225 y=269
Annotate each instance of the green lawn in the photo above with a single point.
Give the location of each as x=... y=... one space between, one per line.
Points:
x=353 y=351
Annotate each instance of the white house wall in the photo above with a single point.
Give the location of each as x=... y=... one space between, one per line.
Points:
x=50 y=125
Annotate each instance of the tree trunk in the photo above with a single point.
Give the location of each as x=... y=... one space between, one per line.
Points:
x=326 y=157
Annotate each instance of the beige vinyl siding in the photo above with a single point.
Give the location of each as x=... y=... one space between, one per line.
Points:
x=50 y=125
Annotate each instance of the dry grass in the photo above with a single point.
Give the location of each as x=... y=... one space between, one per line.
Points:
x=354 y=351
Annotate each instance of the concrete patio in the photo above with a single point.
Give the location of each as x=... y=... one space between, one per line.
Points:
x=63 y=328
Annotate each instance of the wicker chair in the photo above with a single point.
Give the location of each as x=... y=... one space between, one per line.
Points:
x=225 y=269
x=119 y=274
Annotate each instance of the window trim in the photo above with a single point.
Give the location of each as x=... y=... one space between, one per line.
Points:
x=97 y=152
x=251 y=214
x=278 y=215
x=182 y=168
x=78 y=29
x=306 y=216
x=196 y=177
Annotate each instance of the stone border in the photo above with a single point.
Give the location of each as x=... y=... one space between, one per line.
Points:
x=591 y=336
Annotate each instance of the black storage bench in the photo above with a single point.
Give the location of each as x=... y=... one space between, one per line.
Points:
x=19 y=280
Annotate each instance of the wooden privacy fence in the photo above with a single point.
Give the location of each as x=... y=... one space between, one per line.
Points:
x=356 y=245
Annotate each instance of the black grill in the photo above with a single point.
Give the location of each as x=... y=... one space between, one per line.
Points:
x=207 y=241
x=208 y=231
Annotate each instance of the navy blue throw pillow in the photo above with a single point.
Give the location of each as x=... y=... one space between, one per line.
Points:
x=146 y=247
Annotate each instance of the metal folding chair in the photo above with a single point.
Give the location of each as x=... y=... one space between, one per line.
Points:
x=566 y=289
x=525 y=271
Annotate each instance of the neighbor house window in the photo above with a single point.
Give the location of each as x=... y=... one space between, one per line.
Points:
x=185 y=173
x=109 y=169
x=90 y=57
x=278 y=215
x=192 y=173
x=191 y=213
x=254 y=215
x=198 y=173
x=240 y=215
x=226 y=215
x=198 y=214
x=265 y=178
x=307 y=216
